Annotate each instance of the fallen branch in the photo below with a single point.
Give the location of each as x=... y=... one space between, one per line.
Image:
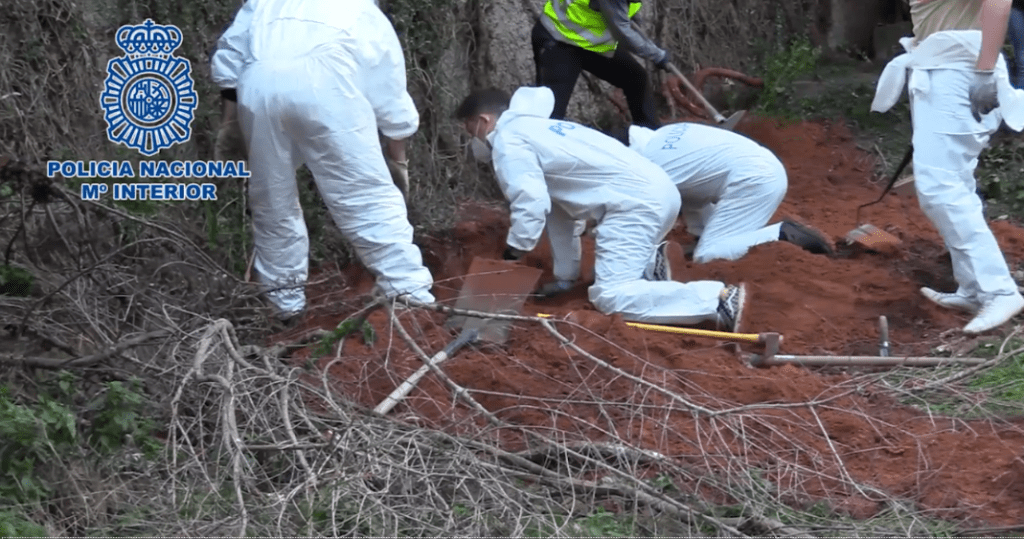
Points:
x=977 y=368
x=642 y=492
x=87 y=361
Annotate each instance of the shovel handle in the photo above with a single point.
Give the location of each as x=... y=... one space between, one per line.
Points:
x=675 y=71
x=703 y=101
x=467 y=336
x=750 y=337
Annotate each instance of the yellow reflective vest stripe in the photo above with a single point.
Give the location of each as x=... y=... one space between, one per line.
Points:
x=574 y=21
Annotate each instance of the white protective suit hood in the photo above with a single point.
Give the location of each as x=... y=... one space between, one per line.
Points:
x=537 y=102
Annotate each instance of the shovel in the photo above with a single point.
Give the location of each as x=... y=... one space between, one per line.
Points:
x=723 y=122
x=869 y=235
x=492 y=286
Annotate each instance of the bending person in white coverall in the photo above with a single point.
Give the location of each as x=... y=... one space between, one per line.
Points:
x=959 y=93
x=730 y=186
x=315 y=81
x=557 y=174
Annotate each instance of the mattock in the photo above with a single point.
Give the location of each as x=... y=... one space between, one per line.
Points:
x=771 y=342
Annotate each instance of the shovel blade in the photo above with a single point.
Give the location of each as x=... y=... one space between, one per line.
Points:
x=871 y=236
x=731 y=122
x=493 y=286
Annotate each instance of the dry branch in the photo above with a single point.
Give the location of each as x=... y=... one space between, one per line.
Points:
x=86 y=361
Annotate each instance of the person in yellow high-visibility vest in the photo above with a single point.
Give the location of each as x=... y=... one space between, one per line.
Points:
x=576 y=35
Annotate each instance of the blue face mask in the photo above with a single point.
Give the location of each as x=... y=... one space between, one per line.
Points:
x=480 y=149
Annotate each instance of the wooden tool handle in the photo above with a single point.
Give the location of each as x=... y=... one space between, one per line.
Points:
x=750 y=337
x=703 y=101
x=675 y=71
x=401 y=391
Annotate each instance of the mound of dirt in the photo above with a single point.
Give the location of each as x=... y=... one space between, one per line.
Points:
x=854 y=440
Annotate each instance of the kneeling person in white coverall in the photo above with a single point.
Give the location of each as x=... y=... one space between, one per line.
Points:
x=730 y=187
x=557 y=174
x=315 y=81
x=959 y=93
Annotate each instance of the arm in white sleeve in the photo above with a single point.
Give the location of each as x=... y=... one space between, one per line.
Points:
x=566 y=246
x=522 y=180
x=232 y=49
x=385 y=81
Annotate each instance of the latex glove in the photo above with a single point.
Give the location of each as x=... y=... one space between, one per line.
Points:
x=511 y=253
x=400 y=174
x=983 y=93
x=554 y=288
x=663 y=63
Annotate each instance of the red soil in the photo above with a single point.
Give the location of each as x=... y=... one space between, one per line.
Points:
x=968 y=470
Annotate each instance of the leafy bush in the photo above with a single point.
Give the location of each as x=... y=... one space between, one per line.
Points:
x=31 y=437
x=782 y=67
x=15 y=281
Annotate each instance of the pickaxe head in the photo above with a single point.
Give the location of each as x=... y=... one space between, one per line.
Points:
x=771 y=342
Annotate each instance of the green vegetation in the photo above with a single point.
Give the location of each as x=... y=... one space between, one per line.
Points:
x=783 y=66
x=41 y=443
x=15 y=280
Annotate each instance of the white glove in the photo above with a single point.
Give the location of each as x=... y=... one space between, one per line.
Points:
x=400 y=174
x=983 y=93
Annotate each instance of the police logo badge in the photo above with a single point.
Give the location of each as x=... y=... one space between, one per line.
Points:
x=149 y=99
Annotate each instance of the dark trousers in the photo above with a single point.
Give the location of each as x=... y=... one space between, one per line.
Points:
x=559 y=65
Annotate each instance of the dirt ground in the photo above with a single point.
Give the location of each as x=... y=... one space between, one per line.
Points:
x=858 y=435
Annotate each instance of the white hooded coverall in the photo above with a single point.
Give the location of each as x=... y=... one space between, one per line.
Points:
x=556 y=173
x=947 y=141
x=730 y=185
x=315 y=82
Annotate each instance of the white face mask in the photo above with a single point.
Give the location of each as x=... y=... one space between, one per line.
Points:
x=481 y=150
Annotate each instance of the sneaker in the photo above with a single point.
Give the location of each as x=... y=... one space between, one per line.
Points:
x=805 y=237
x=951 y=300
x=659 y=269
x=731 y=303
x=995 y=312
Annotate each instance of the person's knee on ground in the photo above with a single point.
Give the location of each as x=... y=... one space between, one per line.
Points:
x=751 y=196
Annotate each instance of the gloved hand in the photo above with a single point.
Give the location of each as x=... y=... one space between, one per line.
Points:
x=663 y=63
x=983 y=93
x=511 y=253
x=400 y=174
x=554 y=288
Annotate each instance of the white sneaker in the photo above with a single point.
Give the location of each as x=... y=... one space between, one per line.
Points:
x=951 y=300
x=659 y=269
x=996 y=312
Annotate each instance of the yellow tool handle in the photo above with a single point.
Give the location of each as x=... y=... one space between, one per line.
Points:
x=752 y=337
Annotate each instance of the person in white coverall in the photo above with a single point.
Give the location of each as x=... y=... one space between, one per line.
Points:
x=959 y=93
x=558 y=174
x=315 y=81
x=730 y=187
